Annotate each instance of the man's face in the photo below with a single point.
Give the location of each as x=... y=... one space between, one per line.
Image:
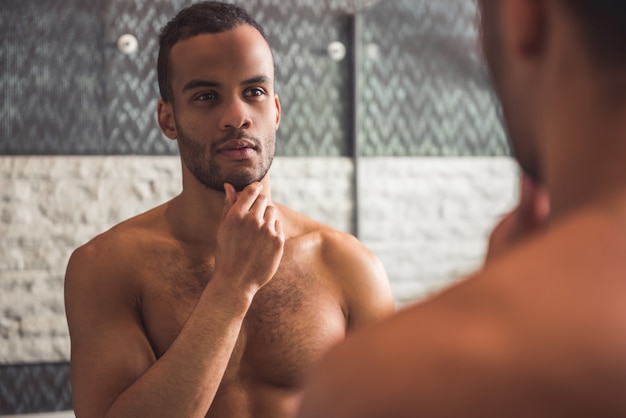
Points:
x=224 y=106
x=516 y=97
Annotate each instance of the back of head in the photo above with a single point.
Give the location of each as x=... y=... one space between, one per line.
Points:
x=602 y=26
x=197 y=19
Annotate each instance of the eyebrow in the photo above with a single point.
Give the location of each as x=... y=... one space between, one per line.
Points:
x=193 y=84
x=257 y=80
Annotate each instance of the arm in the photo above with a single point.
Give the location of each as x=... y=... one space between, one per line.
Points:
x=114 y=370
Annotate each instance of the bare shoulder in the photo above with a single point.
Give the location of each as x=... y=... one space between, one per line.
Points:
x=116 y=249
x=110 y=265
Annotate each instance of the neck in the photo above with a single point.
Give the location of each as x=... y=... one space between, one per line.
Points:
x=197 y=212
x=585 y=143
x=582 y=125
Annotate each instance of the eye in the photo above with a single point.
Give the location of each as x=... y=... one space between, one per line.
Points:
x=209 y=95
x=255 y=92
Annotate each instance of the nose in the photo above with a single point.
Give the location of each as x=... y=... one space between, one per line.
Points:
x=235 y=115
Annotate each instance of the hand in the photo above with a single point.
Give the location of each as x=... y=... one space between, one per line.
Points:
x=250 y=239
x=528 y=218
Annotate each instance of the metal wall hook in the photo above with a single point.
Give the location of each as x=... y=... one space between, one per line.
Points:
x=127 y=44
x=336 y=51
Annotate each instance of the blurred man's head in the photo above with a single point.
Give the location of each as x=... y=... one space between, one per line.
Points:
x=527 y=43
x=602 y=28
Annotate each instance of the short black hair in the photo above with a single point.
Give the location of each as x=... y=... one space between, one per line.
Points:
x=603 y=28
x=197 y=19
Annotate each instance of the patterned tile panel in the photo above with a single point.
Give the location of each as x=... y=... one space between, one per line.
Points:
x=50 y=88
x=424 y=91
x=68 y=90
x=32 y=388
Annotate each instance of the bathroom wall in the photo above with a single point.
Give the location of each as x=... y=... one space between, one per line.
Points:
x=399 y=143
x=426 y=218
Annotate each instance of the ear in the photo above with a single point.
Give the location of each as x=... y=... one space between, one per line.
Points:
x=277 y=102
x=525 y=26
x=165 y=116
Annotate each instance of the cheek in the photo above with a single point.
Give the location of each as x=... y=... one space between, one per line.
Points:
x=200 y=126
x=266 y=122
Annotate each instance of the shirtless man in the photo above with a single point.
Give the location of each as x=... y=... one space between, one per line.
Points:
x=540 y=331
x=218 y=302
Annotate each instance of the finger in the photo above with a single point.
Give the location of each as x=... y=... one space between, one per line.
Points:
x=541 y=205
x=534 y=202
x=270 y=217
x=248 y=196
x=526 y=207
x=278 y=226
x=259 y=207
x=230 y=199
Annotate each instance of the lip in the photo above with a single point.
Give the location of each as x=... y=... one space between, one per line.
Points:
x=238 y=149
x=237 y=144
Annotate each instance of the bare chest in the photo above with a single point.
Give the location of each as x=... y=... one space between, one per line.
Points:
x=292 y=321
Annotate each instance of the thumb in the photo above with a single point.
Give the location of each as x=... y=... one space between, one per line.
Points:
x=526 y=205
x=542 y=206
x=534 y=202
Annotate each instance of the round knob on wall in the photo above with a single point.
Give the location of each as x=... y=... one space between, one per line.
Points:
x=127 y=44
x=336 y=51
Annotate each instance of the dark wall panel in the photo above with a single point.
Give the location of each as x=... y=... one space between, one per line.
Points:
x=33 y=388
x=425 y=91
x=51 y=87
x=67 y=89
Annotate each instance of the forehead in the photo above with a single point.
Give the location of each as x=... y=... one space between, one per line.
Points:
x=240 y=52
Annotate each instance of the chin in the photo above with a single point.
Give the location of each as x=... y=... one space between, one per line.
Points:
x=241 y=182
x=240 y=186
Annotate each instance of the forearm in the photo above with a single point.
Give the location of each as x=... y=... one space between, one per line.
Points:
x=184 y=381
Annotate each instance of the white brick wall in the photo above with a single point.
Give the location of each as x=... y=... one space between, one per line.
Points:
x=427 y=218
x=51 y=205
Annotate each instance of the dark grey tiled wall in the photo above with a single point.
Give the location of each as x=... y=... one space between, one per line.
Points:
x=66 y=88
x=33 y=388
x=425 y=92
